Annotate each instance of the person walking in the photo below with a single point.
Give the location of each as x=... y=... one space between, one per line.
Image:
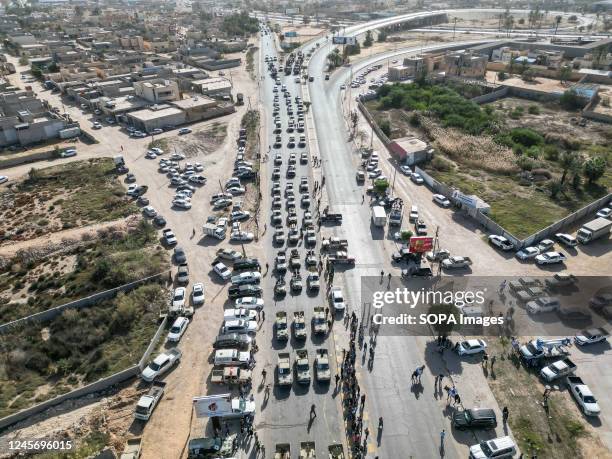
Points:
x=505 y=414
x=442 y=435
x=313 y=412
x=337 y=379
x=457 y=400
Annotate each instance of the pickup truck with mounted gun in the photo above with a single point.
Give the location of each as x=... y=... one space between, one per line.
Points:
x=341 y=258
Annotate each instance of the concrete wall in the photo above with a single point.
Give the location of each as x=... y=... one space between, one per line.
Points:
x=218 y=64
x=97 y=386
x=11 y=161
x=144 y=360
x=381 y=135
x=492 y=96
x=602 y=117
x=49 y=314
x=590 y=209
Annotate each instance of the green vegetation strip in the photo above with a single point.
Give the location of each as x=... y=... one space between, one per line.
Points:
x=110 y=261
x=530 y=179
x=43 y=360
x=550 y=435
x=78 y=193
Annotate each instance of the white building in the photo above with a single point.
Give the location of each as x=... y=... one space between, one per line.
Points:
x=157 y=91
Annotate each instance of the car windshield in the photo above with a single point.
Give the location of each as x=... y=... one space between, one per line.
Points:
x=468 y=416
x=175 y=329
x=485 y=449
x=589 y=399
x=154 y=366
x=142 y=409
x=178 y=296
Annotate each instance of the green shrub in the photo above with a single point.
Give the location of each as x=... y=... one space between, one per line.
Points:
x=385 y=126
x=525 y=163
x=550 y=152
x=441 y=164
x=570 y=100
x=526 y=137
x=534 y=110
x=452 y=109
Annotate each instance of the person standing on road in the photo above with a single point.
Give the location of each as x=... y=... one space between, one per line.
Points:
x=505 y=414
x=442 y=435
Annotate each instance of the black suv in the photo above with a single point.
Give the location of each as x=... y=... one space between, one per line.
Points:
x=475 y=419
x=232 y=340
x=240 y=291
x=247 y=264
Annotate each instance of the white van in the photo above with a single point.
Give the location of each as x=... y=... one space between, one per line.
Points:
x=226 y=357
x=496 y=448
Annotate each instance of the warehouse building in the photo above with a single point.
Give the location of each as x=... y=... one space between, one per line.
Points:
x=156 y=116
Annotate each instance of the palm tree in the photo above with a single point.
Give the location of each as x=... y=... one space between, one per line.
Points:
x=569 y=162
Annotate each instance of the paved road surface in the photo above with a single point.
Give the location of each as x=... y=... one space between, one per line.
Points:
x=284 y=418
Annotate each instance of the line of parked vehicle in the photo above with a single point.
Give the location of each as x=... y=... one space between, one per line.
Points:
x=543 y=254
x=286 y=238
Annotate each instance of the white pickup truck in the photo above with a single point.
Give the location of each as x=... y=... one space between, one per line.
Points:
x=162 y=363
x=583 y=395
x=147 y=403
x=558 y=369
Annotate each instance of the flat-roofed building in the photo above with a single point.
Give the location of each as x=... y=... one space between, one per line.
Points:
x=157 y=116
x=212 y=86
x=158 y=90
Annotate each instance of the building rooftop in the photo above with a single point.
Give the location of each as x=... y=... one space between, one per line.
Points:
x=194 y=102
x=411 y=144
x=151 y=113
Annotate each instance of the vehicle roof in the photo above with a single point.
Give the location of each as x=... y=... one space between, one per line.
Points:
x=482 y=413
x=226 y=352
x=179 y=321
x=161 y=358
x=500 y=443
